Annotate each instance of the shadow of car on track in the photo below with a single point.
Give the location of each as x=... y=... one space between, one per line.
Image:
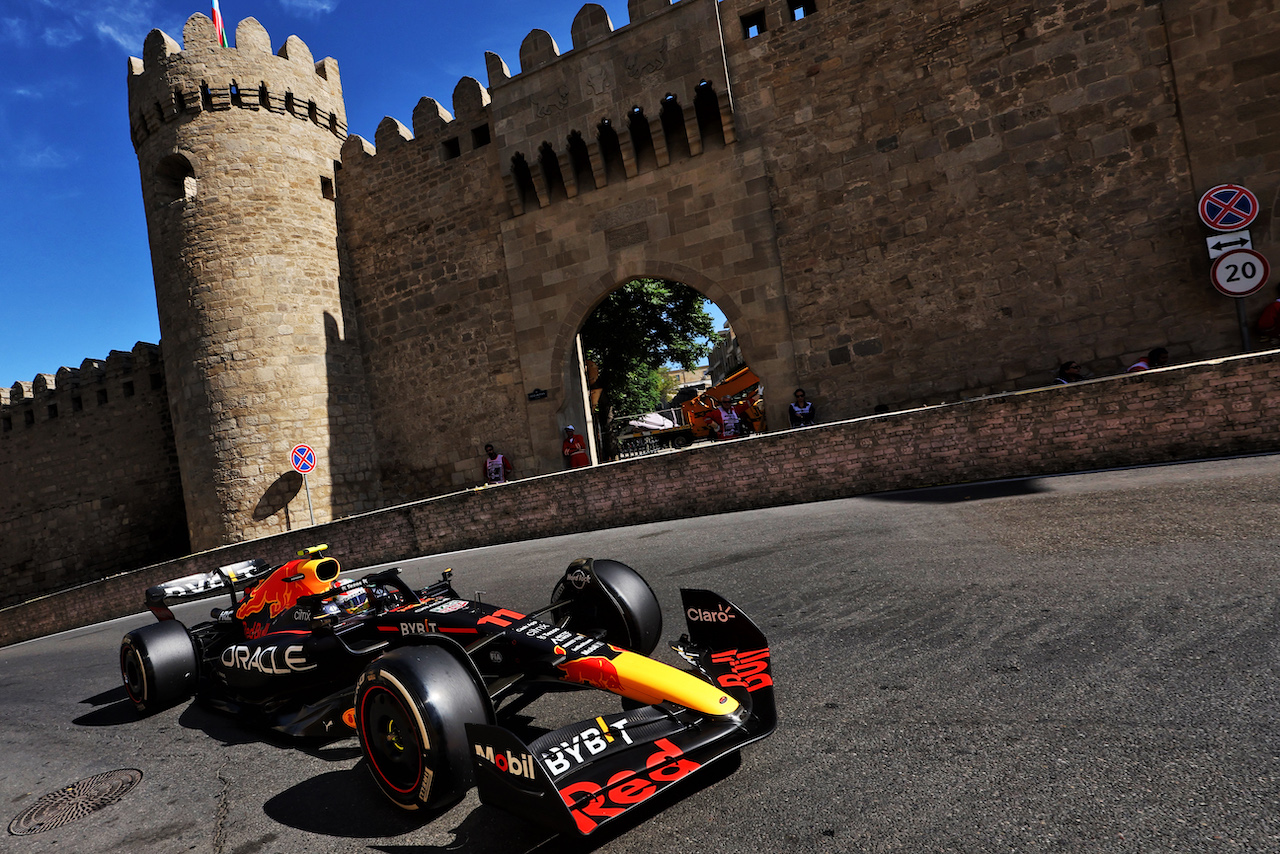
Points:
x=485 y=829
x=113 y=708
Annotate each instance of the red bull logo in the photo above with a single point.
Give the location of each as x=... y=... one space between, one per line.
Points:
x=592 y=804
x=594 y=670
x=282 y=589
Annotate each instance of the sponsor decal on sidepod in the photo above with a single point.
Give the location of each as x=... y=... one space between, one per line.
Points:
x=266 y=659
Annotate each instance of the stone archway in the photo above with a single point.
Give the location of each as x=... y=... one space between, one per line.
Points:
x=566 y=368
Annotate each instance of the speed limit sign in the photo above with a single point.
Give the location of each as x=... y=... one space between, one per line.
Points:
x=1240 y=273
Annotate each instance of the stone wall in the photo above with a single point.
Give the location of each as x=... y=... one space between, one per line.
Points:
x=1194 y=411
x=420 y=222
x=968 y=194
x=91 y=482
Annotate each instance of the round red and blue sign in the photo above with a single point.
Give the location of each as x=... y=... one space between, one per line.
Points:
x=303 y=459
x=1228 y=207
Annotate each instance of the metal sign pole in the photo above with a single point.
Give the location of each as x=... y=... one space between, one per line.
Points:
x=310 y=512
x=1243 y=320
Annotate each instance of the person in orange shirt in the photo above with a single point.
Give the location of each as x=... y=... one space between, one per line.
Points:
x=575 y=449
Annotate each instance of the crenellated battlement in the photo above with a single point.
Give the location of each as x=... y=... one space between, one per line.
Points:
x=97 y=382
x=172 y=83
x=621 y=102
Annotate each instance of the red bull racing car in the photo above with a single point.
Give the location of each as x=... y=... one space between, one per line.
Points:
x=425 y=679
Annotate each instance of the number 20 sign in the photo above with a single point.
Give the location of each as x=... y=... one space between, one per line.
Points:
x=1240 y=273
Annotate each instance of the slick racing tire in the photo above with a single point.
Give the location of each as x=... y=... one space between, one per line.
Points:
x=614 y=602
x=158 y=664
x=412 y=708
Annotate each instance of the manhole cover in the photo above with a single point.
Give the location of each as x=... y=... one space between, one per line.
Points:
x=74 y=801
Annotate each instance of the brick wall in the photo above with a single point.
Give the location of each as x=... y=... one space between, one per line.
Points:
x=1206 y=409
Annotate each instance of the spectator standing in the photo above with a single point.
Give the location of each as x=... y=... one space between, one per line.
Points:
x=497 y=468
x=1157 y=358
x=575 y=449
x=728 y=420
x=801 y=410
x=1069 y=372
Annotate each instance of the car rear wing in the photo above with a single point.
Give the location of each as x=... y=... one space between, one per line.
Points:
x=202 y=584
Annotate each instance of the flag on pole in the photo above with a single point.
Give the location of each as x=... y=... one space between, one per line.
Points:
x=218 y=26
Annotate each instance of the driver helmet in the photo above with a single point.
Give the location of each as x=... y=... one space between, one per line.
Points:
x=351 y=600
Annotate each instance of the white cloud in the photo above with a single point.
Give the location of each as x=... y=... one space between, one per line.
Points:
x=14 y=31
x=123 y=23
x=310 y=8
x=44 y=158
x=61 y=35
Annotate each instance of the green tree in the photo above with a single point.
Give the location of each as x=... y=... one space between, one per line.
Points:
x=639 y=328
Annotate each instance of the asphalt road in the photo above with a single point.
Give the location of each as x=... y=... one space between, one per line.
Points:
x=1078 y=663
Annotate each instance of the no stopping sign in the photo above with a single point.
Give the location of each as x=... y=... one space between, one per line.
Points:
x=1240 y=273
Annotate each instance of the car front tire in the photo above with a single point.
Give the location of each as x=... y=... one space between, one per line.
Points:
x=412 y=708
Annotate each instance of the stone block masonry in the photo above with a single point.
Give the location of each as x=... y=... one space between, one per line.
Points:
x=90 y=475
x=1207 y=409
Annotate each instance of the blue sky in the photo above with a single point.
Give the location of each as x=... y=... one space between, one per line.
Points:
x=75 y=268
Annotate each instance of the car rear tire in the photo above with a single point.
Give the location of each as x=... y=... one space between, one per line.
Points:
x=158 y=665
x=412 y=708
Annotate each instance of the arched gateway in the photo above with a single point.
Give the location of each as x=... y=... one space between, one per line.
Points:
x=564 y=356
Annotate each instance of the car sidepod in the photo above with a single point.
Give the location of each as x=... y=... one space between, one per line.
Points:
x=584 y=775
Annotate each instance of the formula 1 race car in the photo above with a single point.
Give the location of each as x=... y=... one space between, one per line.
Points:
x=421 y=678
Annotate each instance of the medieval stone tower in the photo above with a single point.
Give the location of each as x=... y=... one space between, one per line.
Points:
x=236 y=148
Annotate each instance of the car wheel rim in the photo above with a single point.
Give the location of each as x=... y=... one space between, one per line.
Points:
x=392 y=740
x=135 y=681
